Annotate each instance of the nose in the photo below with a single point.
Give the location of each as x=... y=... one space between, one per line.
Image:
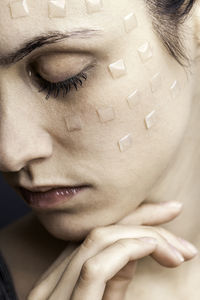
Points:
x=22 y=136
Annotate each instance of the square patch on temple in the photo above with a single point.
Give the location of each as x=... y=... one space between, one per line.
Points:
x=145 y=52
x=57 y=8
x=94 y=6
x=125 y=143
x=175 y=89
x=19 y=9
x=73 y=123
x=117 y=69
x=133 y=99
x=150 y=120
x=106 y=114
x=156 y=82
x=130 y=22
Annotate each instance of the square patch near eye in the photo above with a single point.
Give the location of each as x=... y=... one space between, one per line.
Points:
x=145 y=52
x=125 y=143
x=19 y=9
x=57 y=8
x=156 y=82
x=117 y=69
x=94 y=6
x=73 y=123
x=175 y=89
x=106 y=114
x=133 y=99
x=130 y=22
x=150 y=120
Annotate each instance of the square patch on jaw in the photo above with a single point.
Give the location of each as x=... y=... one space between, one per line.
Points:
x=125 y=143
x=150 y=119
x=19 y=9
x=73 y=123
x=117 y=69
x=156 y=82
x=145 y=52
x=130 y=22
x=175 y=89
x=94 y=6
x=57 y=8
x=106 y=114
x=133 y=99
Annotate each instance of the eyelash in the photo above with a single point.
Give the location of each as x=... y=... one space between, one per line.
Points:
x=65 y=86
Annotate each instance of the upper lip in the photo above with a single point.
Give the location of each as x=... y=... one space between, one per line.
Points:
x=48 y=188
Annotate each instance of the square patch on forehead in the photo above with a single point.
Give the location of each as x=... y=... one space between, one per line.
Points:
x=117 y=69
x=150 y=119
x=94 y=6
x=145 y=52
x=73 y=123
x=125 y=143
x=130 y=22
x=106 y=114
x=19 y=9
x=57 y=8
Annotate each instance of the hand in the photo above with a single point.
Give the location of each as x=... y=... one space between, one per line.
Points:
x=102 y=267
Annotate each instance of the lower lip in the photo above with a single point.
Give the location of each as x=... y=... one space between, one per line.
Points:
x=50 y=198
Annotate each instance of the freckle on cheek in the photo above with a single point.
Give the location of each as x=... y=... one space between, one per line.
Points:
x=57 y=8
x=19 y=9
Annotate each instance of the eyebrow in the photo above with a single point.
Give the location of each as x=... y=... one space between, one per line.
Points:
x=39 y=41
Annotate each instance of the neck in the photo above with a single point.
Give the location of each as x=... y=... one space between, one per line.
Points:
x=181 y=180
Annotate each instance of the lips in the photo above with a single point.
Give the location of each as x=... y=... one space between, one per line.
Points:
x=50 y=198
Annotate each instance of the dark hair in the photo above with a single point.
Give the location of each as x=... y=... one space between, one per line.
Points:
x=168 y=17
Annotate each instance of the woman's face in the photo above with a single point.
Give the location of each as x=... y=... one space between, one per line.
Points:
x=113 y=148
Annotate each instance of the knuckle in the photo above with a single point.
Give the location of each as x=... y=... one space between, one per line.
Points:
x=97 y=235
x=90 y=270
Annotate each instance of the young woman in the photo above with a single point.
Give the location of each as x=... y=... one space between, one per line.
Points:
x=99 y=132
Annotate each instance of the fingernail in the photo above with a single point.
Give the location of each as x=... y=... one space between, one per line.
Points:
x=149 y=240
x=177 y=253
x=189 y=246
x=172 y=204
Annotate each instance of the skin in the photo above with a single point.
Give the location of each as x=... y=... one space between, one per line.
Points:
x=155 y=168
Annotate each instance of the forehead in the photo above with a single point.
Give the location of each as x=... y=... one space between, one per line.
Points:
x=14 y=31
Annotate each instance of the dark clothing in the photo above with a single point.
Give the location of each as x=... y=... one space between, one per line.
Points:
x=7 y=289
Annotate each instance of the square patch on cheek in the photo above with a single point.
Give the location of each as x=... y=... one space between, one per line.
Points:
x=57 y=8
x=19 y=9
x=117 y=69
x=106 y=114
x=156 y=82
x=175 y=89
x=125 y=143
x=93 y=6
x=130 y=22
x=150 y=119
x=133 y=99
x=73 y=123
x=145 y=52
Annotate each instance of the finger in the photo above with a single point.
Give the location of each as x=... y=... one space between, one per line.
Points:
x=118 y=285
x=153 y=214
x=43 y=288
x=101 y=238
x=100 y=269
